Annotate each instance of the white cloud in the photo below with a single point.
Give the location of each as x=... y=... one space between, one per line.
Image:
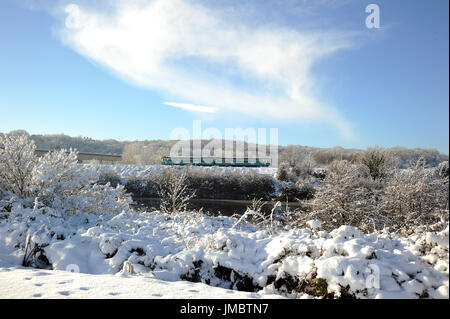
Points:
x=189 y=51
x=192 y=107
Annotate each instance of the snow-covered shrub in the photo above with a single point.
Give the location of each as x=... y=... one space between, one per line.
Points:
x=319 y=172
x=272 y=221
x=402 y=200
x=282 y=173
x=96 y=199
x=415 y=197
x=61 y=183
x=57 y=176
x=56 y=180
x=305 y=188
x=292 y=192
x=347 y=197
x=34 y=254
x=443 y=169
x=305 y=167
x=277 y=219
x=173 y=190
x=376 y=161
x=17 y=161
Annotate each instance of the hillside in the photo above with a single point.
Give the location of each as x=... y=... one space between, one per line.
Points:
x=151 y=151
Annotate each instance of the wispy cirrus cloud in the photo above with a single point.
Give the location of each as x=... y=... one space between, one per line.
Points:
x=190 y=51
x=192 y=107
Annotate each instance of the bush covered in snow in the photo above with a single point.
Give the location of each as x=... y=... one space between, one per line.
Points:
x=399 y=200
x=173 y=190
x=17 y=161
x=55 y=180
x=443 y=169
x=347 y=196
x=376 y=160
x=415 y=197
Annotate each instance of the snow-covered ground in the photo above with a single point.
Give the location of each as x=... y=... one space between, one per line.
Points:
x=130 y=249
x=38 y=283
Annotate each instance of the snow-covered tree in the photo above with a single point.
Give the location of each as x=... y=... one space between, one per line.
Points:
x=17 y=161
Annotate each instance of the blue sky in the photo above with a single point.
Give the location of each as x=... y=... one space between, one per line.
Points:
x=309 y=68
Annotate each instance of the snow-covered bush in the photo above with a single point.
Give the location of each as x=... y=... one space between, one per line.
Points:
x=57 y=176
x=303 y=189
x=415 y=197
x=375 y=159
x=56 y=180
x=319 y=172
x=282 y=173
x=347 y=197
x=305 y=167
x=272 y=221
x=443 y=169
x=17 y=161
x=97 y=199
x=173 y=190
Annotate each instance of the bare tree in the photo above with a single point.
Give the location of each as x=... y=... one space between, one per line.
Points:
x=290 y=155
x=305 y=166
x=173 y=190
x=144 y=153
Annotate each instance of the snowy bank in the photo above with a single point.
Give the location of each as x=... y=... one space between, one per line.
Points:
x=298 y=263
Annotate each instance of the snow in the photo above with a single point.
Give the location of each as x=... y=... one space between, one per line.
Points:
x=314 y=224
x=156 y=247
x=139 y=172
x=38 y=284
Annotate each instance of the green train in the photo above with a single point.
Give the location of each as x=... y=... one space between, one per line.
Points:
x=217 y=161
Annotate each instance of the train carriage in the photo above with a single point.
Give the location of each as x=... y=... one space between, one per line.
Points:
x=216 y=161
